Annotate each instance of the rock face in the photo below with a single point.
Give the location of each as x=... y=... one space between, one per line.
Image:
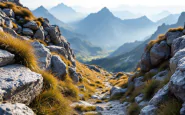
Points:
x=177 y=45
x=6 y=57
x=74 y=76
x=43 y=55
x=116 y=91
x=58 y=67
x=39 y=34
x=159 y=53
x=59 y=50
x=32 y=25
x=148 y=110
x=19 y=84
x=172 y=35
x=27 y=32
x=15 y=109
x=145 y=62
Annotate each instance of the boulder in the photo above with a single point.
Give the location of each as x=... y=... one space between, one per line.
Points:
x=9 y=23
x=19 y=84
x=174 y=61
x=9 y=12
x=31 y=25
x=73 y=74
x=177 y=84
x=138 y=81
x=177 y=45
x=55 y=34
x=182 y=111
x=139 y=98
x=11 y=31
x=148 y=110
x=160 y=95
x=27 y=32
x=159 y=52
x=161 y=76
x=170 y=36
x=40 y=34
x=143 y=104
x=93 y=67
x=43 y=56
x=6 y=58
x=116 y=91
x=59 y=50
x=58 y=67
x=15 y=109
x=145 y=63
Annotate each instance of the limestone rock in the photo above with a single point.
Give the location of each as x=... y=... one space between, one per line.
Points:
x=73 y=74
x=43 y=55
x=27 y=32
x=58 y=49
x=40 y=34
x=19 y=84
x=6 y=57
x=139 y=98
x=170 y=36
x=58 y=67
x=15 y=109
x=161 y=76
x=145 y=62
x=177 y=45
x=159 y=52
x=148 y=110
x=31 y=25
x=9 y=12
x=115 y=91
x=138 y=81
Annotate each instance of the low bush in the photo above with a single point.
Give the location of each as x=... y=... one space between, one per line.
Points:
x=133 y=109
x=150 y=89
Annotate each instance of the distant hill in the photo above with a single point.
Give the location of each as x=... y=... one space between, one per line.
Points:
x=65 y=13
x=106 y=30
x=43 y=12
x=170 y=19
x=128 y=61
x=125 y=15
x=160 y=16
x=125 y=48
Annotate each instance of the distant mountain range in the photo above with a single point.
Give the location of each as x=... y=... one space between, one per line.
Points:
x=159 y=16
x=65 y=13
x=126 y=15
x=170 y=19
x=106 y=30
x=128 y=61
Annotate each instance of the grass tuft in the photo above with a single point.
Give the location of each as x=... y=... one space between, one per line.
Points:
x=176 y=29
x=133 y=109
x=83 y=108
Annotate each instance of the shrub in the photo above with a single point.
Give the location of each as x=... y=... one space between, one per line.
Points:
x=160 y=38
x=51 y=103
x=133 y=109
x=150 y=88
x=84 y=108
x=176 y=29
x=170 y=107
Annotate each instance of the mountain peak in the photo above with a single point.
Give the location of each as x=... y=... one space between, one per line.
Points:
x=41 y=8
x=105 y=9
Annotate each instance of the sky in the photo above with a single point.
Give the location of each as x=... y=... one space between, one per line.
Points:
x=173 y=5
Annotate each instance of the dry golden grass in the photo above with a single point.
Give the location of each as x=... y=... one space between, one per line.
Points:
x=121 y=82
x=175 y=29
x=160 y=38
x=66 y=61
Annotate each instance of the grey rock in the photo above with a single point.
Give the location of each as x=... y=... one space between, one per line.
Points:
x=58 y=49
x=9 y=23
x=138 y=81
x=11 y=31
x=161 y=76
x=99 y=108
x=6 y=58
x=143 y=104
x=19 y=84
x=31 y=25
x=43 y=55
x=15 y=109
x=93 y=67
x=74 y=76
x=9 y=12
x=145 y=62
x=27 y=32
x=148 y=110
x=40 y=34
x=2 y=21
x=139 y=98
x=115 y=91
x=58 y=67
x=182 y=111
x=177 y=45
x=170 y=36
x=18 y=29
x=55 y=34
x=159 y=52
x=160 y=95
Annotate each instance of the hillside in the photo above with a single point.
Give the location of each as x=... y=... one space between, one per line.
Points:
x=170 y=19
x=106 y=30
x=128 y=61
x=65 y=13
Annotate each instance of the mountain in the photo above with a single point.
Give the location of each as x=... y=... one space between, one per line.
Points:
x=125 y=14
x=43 y=12
x=65 y=13
x=106 y=30
x=159 y=16
x=127 y=47
x=128 y=61
x=170 y=19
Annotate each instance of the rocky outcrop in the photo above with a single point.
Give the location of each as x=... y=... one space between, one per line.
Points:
x=19 y=84
x=74 y=76
x=145 y=62
x=15 y=109
x=170 y=36
x=6 y=58
x=58 y=67
x=148 y=110
x=117 y=91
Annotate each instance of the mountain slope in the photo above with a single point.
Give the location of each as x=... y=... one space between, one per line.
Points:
x=128 y=61
x=65 y=13
x=170 y=19
x=104 y=29
x=43 y=12
x=125 y=15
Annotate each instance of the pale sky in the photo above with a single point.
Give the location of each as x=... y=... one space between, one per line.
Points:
x=32 y=4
